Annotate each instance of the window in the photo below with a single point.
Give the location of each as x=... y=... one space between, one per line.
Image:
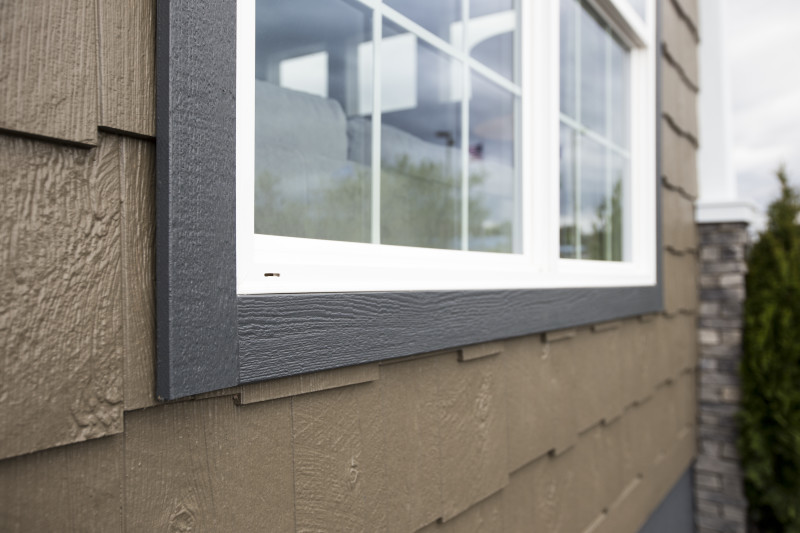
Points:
x=409 y=145
x=349 y=181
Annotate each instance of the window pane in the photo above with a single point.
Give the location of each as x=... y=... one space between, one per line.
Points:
x=569 y=57
x=620 y=94
x=312 y=174
x=440 y=17
x=594 y=230
x=640 y=6
x=593 y=112
x=619 y=210
x=492 y=174
x=420 y=143
x=491 y=33
x=603 y=202
x=595 y=137
x=568 y=222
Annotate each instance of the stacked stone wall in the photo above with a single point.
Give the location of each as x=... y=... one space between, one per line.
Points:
x=720 y=502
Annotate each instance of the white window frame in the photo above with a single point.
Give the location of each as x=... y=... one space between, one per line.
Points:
x=311 y=265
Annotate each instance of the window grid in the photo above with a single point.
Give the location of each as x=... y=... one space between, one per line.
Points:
x=580 y=130
x=381 y=12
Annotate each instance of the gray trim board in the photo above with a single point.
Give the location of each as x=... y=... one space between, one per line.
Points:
x=196 y=336
x=675 y=513
x=209 y=338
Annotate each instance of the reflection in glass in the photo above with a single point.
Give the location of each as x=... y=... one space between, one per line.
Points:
x=491 y=33
x=594 y=231
x=309 y=182
x=640 y=6
x=568 y=220
x=492 y=173
x=420 y=145
x=440 y=17
x=620 y=82
x=595 y=137
x=569 y=57
x=592 y=71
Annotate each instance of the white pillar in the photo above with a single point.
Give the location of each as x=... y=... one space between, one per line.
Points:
x=718 y=199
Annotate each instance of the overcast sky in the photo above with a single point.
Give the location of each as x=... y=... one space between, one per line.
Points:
x=763 y=41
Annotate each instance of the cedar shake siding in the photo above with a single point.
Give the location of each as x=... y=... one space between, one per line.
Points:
x=574 y=430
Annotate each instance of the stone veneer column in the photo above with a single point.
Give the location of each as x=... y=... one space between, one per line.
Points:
x=720 y=505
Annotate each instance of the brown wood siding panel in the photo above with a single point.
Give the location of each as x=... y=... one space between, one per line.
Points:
x=679 y=43
x=338 y=460
x=474 y=446
x=209 y=465
x=75 y=488
x=679 y=102
x=60 y=294
x=595 y=359
x=690 y=10
x=680 y=282
x=138 y=271
x=486 y=516
x=127 y=65
x=539 y=401
x=412 y=438
x=679 y=162
x=679 y=229
x=48 y=69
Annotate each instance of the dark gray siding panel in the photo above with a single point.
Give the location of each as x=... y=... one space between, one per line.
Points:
x=280 y=335
x=195 y=196
x=676 y=512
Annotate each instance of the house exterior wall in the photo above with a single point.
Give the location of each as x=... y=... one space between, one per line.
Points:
x=585 y=429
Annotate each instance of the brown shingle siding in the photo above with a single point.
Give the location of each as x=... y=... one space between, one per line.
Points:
x=127 y=66
x=48 y=69
x=680 y=43
x=60 y=294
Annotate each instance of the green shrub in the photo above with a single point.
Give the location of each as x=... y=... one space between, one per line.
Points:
x=769 y=420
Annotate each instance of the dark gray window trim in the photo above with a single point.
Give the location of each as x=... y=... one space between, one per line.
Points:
x=207 y=337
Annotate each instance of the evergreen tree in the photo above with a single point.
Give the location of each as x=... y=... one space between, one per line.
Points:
x=769 y=442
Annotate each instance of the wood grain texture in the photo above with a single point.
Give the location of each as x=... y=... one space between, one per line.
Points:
x=518 y=500
x=127 y=65
x=76 y=488
x=196 y=314
x=306 y=383
x=541 y=415
x=48 y=69
x=339 y=457
x=411 y=417
x=474 y=437
x=486 y=516
x=281 y=335
x=138 y=258
x=209 y=465
x=60 y=294
x=595 y=363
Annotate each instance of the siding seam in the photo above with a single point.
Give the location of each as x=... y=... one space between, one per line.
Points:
x=678 y=68
x=679 y=131
x=686 y=19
